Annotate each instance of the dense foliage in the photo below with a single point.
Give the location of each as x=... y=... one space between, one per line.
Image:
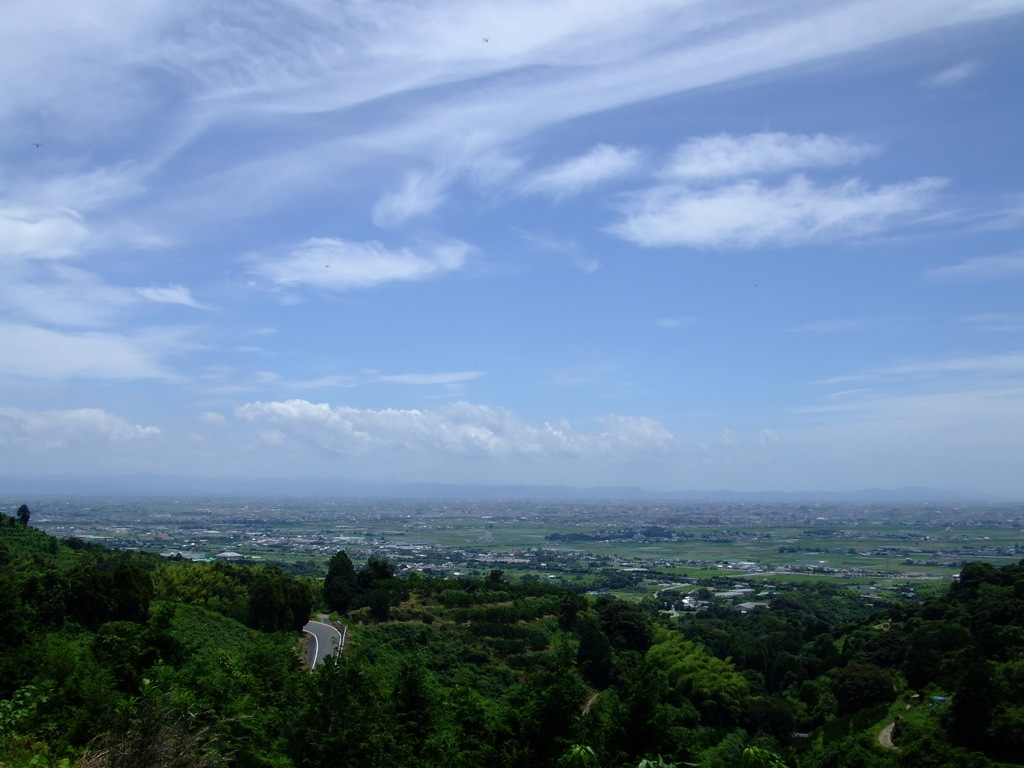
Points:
x=128 y=659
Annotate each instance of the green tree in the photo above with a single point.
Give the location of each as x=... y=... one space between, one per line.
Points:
x=714 y=686
x=594 y=655
x=340 y=584
x=578 y=756
x=24 y=514
x=132 y=592
x=756 y=757
x=625 y=624
x=859 y=685
x=376 y=570
x=278 y=601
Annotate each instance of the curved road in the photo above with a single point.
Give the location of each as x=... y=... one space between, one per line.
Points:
x=885 y=737
x=324 y=640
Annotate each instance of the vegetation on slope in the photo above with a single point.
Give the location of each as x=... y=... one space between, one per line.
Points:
x=116 y=659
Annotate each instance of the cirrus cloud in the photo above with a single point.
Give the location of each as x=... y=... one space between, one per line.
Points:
x=600 y=164
x=750 y=214
x=41 y=233
x=344 y=265
x=981 y=268
x=727 y=156
x=46 y=354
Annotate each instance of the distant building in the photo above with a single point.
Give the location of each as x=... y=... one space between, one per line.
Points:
x=184 y=555
x=750 y=607
x=229 y=556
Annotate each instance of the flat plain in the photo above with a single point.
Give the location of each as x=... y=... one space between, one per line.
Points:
x=635 y=548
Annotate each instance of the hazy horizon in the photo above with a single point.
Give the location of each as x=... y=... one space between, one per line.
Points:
x=155 y=485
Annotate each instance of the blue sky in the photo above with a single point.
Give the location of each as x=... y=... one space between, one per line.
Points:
x=741 y=244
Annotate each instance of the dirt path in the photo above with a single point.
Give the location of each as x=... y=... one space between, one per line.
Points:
x=885 y=737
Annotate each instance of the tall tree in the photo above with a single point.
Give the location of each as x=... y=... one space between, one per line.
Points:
x=340 y=584
x=24 y=514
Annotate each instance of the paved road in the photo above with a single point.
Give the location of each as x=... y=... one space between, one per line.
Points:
x=885 y=737
x=323 y=641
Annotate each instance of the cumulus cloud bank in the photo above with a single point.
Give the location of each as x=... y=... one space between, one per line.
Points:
x=457 y=429
x=59 y=428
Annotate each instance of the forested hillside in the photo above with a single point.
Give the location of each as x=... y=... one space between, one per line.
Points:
x=128 y=659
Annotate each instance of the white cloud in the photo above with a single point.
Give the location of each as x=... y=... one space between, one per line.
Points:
x=403 y=79
x=342 y=265
x=213 y=418
x=982 y=268
x=66 y=296
x=421 y=194
x=40 y=233
x=46 y=430
x=458 y=429
x=993 y=406
x=952 y=75
x=726 y=156
x=750 y=214
x=1008 y=215
x=602 y=163
x=674 y=322
x=728 y=439
x=84 y=191
x=849 y=324
x=453 y=377
x=548 y=242
x=1000 y=322
x=172 y=294
x=982 y=367
x=831 y=326
x=26 y=351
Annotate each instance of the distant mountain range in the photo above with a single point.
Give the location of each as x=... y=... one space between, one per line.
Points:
x=173 y=485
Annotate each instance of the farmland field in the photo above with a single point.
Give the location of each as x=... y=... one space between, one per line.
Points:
x=560 y=540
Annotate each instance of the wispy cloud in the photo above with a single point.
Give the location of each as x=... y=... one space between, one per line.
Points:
x=62 y=295
x=750 y=214
x=553 y=62
x=66 y=296
x=172 y=294
x=343 y=265
x=548 y=242
x=839 y=325
x=982 y=268
x=40 y=233
x=32 y=352
x=418 y=379
x=674 y=322
x=448 y=380
x=421 y=194
x=980 y=366
x=456 y=429
x=726 y=156
x=998 y=322
x=601 y=164
x=952 y=75
x=993 y=407
x=82 y=190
